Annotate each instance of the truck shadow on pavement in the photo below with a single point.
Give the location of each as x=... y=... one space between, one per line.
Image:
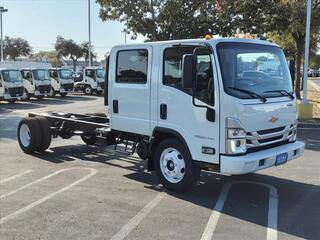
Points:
x=298 y=209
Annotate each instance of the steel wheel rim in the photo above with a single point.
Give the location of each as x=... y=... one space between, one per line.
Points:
x=25 y=135
x=172 y=165
x=87 y=90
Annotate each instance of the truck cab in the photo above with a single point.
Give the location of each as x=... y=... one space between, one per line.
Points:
x=37 y=83
x=61 y=81
x=211 y=104
x=93 y=81
x=11 y=85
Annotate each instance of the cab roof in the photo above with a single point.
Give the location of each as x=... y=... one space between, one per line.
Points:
x=213 y=42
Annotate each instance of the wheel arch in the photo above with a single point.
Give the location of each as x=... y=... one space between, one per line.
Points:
x=158 y=135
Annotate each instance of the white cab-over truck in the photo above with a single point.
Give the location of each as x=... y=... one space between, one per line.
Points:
x=61 y=81
x=93 y=81
x=37 y=83
x=188 y=105
x=11 y=85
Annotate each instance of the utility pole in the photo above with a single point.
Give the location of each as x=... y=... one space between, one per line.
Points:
x=2 y=10
x=306 y=54
x=89 y=27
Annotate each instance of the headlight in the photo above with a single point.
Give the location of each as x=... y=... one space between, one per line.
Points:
x=236 y=133
x=236 y=137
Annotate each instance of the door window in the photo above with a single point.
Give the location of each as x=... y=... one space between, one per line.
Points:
x=132 y=66
x=172 y=73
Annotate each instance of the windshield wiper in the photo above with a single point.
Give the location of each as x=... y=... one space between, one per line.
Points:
x=282 y=92
x=250 y=93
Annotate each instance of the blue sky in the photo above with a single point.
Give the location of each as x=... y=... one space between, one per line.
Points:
x=40 y=21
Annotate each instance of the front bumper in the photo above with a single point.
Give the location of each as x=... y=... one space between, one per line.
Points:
x=236 y=165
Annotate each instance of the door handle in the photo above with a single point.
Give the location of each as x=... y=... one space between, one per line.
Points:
x=115 y=106
x=163 y=111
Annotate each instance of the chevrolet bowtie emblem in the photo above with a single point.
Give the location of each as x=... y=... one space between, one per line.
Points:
x=273 y=119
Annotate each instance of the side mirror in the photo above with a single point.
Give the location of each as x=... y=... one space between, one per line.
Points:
x=187 y=71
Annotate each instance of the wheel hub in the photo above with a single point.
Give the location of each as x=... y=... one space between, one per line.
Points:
x=172 y=165
x=25 y=135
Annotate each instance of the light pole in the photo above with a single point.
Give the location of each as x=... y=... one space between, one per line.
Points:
x=89 y=27
x=125 y=32
x=306 y=54
x=2 y=10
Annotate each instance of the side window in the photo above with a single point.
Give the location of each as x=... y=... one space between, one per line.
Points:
x=90 y=73
x=172 y=72
x=132 y=66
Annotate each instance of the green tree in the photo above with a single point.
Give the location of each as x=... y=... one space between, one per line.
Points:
x=163 y=19
x=85 y=51
x=16 y=47
x=48 y=56
x=69 y=49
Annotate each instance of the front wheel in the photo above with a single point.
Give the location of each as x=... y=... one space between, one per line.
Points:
x=12 y=100
x=52 y=92
x=87 y=90
x=174 y=166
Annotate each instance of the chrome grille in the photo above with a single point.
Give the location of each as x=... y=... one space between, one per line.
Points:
x=268 y=136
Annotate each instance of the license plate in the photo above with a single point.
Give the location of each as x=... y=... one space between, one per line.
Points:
x=281 y=159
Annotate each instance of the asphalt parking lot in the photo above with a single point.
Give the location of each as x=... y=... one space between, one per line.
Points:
x=78 y=192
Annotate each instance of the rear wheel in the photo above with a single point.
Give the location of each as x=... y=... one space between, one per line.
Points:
x=29 y=136
x=45 y=133
x=174 y=166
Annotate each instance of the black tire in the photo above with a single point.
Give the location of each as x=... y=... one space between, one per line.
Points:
x=35 y=135
x=87 y=90
x=63 y=94
x=89 y=139
x=191 y=172
x=12 y=100
x=28 y=95
x=45 y=133
x=52 y=92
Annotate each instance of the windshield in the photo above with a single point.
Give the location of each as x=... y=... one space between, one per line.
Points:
x=41 y=74
x=100 y=73
x=12 y=76
x=258 y=68
x=65 y=74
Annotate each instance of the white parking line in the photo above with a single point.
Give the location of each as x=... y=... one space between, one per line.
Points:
x=272 y=232
x=136 y=220
x=15 y=176
x=36 y=203
x=35 y=182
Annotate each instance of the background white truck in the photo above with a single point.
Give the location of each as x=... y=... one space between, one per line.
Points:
x=37 y=83
x=11 y=85
x=61 y=81
x=185 y=106
x=93 y=81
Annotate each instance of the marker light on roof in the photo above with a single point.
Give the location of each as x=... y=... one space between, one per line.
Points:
x=208 y=37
